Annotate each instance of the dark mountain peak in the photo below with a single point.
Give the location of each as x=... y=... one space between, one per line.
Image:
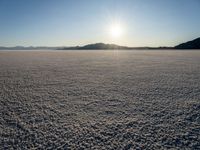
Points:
x=194 y=44
x=102 y=46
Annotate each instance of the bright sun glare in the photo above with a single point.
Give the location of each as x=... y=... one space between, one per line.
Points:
x=116 y=30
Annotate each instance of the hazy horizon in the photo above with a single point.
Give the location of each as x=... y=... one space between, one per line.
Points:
x=132 y=23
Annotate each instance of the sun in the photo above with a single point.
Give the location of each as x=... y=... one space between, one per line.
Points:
x=116 y=30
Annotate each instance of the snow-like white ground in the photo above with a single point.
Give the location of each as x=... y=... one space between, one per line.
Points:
x=100 y=99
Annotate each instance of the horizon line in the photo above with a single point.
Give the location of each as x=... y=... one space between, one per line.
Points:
x=81 y=45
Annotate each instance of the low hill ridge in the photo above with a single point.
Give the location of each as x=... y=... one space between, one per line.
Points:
x=194 y=44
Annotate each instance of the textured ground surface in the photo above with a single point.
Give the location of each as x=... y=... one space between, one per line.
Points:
x=100 y=100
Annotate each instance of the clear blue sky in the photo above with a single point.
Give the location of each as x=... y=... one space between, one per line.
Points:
x=79 y=22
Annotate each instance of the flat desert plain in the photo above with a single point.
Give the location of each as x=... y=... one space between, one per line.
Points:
x=100 y=99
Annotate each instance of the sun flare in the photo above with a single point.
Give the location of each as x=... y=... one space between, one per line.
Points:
x=116 y=30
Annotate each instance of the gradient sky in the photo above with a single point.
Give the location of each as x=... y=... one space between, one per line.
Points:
x=79 y=22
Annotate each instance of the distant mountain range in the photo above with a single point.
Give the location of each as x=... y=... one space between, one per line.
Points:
x=194 y=44
x=28 y=48
x=99 y=46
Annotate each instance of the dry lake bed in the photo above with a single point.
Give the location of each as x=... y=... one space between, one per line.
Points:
x=100 y=99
